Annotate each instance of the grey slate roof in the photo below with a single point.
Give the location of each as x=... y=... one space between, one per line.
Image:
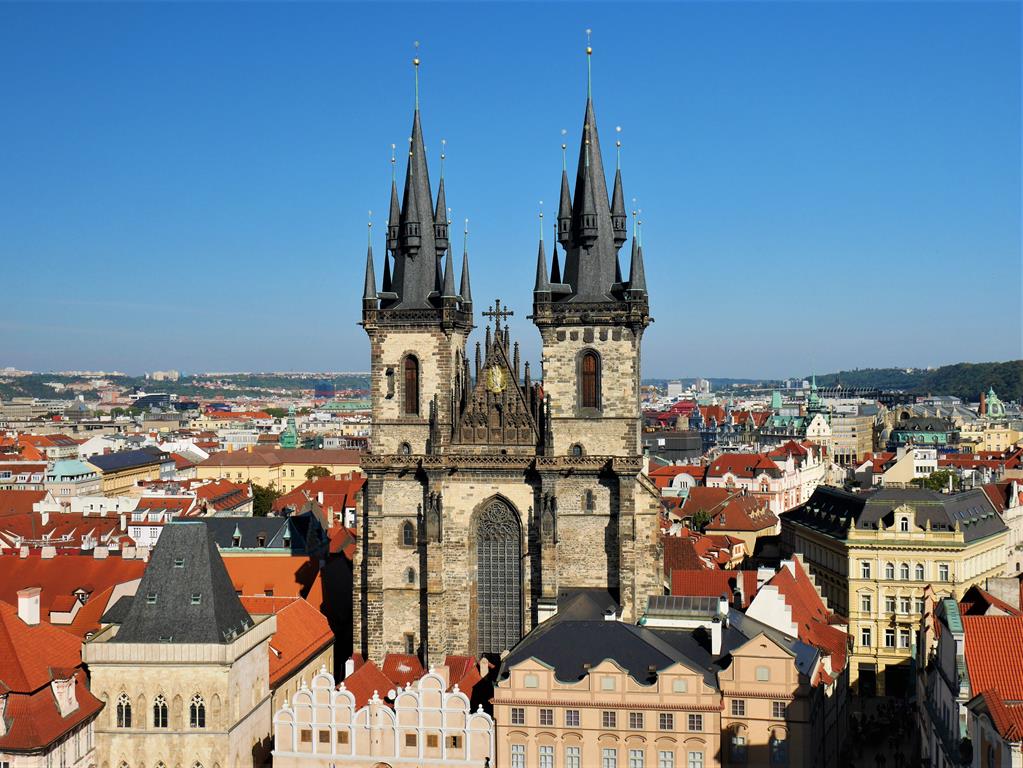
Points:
x=832 y=511
x=114 y=462
x=185 y=595
x=287 y=533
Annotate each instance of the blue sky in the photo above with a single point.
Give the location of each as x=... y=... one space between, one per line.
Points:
x=823 y=185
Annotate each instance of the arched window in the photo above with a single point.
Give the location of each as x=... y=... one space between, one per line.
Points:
x=160 y=712
x=410 y=576
x=589 y=389
x=411 y=392
x=408 y=534
x=904 y=571
x=123 y=711
x=889 y=570
x=904 y=524
x=779 y=747
x=576 y=450
x=738 y=745
x=589 y=504
x=919 y=571
x=197 y=712
x=405 y=449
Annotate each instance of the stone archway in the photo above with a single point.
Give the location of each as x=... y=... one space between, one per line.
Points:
x=498 y=608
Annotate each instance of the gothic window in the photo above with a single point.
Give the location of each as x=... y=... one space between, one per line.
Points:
x=410 y=576
x=405 y=449
x=408 y=534
x=576 y=450
x=589 y=385
x=589 y=505
x=197 y=712
x=123 y=711
x=498 y=581
x=160 y=712
x=411 y=393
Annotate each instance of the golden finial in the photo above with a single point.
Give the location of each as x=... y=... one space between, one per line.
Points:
x=449 y=217
x=369 y=229
x=393 y=160
x=564 y=146
x=541 y=221
x=443 y=156
x=618 y=144
x=589 y=68
x=589 y=50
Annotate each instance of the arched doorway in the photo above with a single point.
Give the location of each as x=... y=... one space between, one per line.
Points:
x=498 y=578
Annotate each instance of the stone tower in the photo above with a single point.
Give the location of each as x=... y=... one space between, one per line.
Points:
x=490 y=494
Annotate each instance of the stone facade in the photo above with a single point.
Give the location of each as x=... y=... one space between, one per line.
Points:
x=231 y=679
x=487 y=493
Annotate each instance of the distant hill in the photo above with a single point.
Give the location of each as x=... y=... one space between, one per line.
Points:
x=964 y=380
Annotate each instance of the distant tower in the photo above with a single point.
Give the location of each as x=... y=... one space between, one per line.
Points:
x=289 y=437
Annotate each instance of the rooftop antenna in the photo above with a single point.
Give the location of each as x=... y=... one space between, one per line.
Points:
x=589 y=68
x=415 y=63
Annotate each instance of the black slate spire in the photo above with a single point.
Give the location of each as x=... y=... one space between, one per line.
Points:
x=394 y=218
x=415 y=263
x=637 y=277
x=369 y=291
x=465 y=291
x=565 y=212
x=555 y=267
x=386 y=286
x=618 y=215
x=542 y=284
x=448 y=287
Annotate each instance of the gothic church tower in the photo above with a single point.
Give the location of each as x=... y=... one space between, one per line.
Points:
x=490 y=494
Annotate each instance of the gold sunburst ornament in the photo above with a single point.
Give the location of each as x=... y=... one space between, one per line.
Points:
x=497 y=381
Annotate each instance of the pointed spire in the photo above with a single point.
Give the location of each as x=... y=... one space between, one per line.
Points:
x=440 y=224
x=565 y=206
x=587 y=220
x=555 y=267
x=394 y=218
x=465 y=291
x=386 y=286
x=369 y=292
x=448 y=289
x=618 y=200
x=542 y=284
x=637 y=276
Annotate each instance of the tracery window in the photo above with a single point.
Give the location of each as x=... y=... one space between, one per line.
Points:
x=160 y=712
x=408 y=534
x=197 y=712
x=123 y=711
x=498 y=583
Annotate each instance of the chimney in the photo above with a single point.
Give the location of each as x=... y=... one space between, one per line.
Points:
x=249 y=448
x=28 y=605
x=349 y=668
x=319 y=498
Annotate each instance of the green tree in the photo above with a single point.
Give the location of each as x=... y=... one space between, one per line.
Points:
x=316 y=472
x=263 y=497
x=700 y=520
x=277 y=413
x=939 y=481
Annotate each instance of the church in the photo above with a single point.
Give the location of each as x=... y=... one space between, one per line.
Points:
x=493 y=488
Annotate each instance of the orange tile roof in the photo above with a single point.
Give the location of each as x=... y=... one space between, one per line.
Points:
x=994 y=646
x=286 y=575
x=402 y=668
x=18 y=502
x=742 y=465
x=367 y=680
x=34 y=722
x=976 y=602
x=302 y=633
x=810 y=615
x=29 y=652
x=1007 y=718
x=714 y=583
x=63 y=575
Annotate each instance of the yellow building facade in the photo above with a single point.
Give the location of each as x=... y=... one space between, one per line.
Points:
x=873 y=555
x=283 y=468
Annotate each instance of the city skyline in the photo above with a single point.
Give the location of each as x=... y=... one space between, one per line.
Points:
x=828 y=189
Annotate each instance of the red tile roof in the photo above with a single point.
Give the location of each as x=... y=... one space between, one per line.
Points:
x=63 y=575
x=993 y=647
x=1007 y=718
x=367 y=680
x=34 y=721
x=714 y=583
x=18 y=502
x=977 y=602
x=402 y=668
x=742 y=465
x=302 y=634
x=222 y=495
x=286 y=575
x=680 y=554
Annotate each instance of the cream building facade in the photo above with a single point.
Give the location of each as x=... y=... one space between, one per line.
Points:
x=874 y=554
x=283 y=468
x=422 y=725
x=184 y=672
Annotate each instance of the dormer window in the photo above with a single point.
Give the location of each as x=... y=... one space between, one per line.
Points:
x=197 y=598
x=179 y=562
x=904 y=524
x=151 y=598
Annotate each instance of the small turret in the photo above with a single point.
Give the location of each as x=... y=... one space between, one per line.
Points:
x=465 y=291
x=618 y=202
x=542 y=286
x=369 y=291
